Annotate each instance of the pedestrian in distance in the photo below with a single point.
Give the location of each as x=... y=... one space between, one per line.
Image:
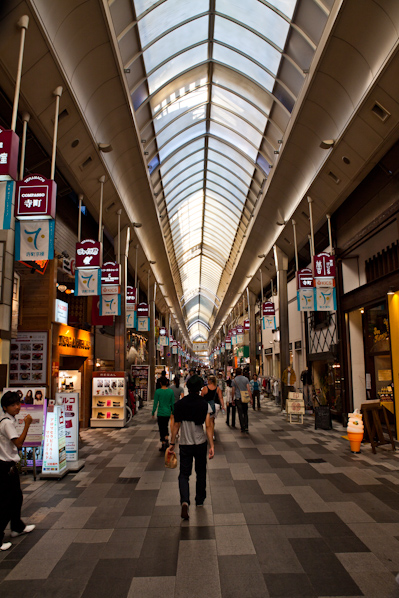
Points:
x=164 y=401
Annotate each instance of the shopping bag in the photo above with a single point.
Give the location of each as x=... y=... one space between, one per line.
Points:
x=170 y=459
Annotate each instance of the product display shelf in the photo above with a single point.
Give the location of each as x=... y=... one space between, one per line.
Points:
x=108 y=402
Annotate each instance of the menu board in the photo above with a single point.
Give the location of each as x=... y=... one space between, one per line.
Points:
x=28 y=358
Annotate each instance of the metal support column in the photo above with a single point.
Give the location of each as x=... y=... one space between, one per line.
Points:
x=281 y=261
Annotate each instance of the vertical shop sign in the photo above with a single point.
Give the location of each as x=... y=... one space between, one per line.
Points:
x=6 y=208
x=240 y=335
x=131 y=298
x=54 y=451
x=306 y=300
x=131 y=319
x=326 y=299
x=163 y=337
x=9 y=148
x=70 y=401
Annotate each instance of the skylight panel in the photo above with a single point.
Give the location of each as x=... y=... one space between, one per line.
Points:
x=239 y=106
x=167 y=15
x=229 y=119
x=184 y=121
x=176 y=41
x=179 y=106
x=177 y=65
x=257 y=16
x=247 y=42
x=182 y=139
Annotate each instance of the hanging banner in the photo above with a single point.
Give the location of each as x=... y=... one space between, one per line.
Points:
x=326 y=299
x=143 y=310
x=54 y=451
x=131 y=319
x=163 y=337
x=304 y=279
x=240 y=335
x=228 y=344
x=88 y=254
x=111 y=274
x=174 y=348
x=9 y=148
x=87 y=282
x=110 y=305
x=34 y=240
x=35 y=198
x=269 y=323
x=6 y=196
x=131 y=294
x=268 y=308
x=306 y=300
x=223 y=348
x=96 y=319
x=247 y=325
x=143 y=324
x=324 y=265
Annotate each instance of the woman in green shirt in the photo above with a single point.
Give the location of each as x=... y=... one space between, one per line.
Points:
x=164 y=401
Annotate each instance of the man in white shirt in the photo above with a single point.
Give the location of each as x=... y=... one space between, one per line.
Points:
x=10 y=488
x=191 y=413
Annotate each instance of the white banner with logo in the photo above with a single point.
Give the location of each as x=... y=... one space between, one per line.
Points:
x=34 y=240
x=306 y=301
x=269 y=322
x=131 y=319
x=326 y=299
x=110 y=305
x=143 y=324
x=87 y=282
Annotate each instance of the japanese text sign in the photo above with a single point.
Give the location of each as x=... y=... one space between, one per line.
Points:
x=9 y=147
x=35 y=197
x=88 y=254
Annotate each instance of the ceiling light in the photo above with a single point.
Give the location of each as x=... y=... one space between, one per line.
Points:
x=327 y=144
x=105 y=147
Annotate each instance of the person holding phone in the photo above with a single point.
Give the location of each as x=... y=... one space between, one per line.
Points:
x=10 y=488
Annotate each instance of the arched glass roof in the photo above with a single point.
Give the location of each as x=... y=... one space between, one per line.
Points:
x=213 y=84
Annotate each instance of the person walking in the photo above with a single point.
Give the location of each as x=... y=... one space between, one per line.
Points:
x=178 y=390
x=241 y=385
x=10 y=488
x=213 y=395
x=230 y=404
x=191 y=412
x=164 y=401
x=255 y=390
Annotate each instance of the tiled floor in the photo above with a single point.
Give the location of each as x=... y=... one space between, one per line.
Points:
x=290 y=512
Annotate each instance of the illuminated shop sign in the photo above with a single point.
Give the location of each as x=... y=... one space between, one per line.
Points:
x=35 y=198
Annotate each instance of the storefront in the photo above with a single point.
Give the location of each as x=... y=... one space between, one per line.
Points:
x=72 y=365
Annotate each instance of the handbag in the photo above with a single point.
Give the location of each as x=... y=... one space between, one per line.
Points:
x=244 y=396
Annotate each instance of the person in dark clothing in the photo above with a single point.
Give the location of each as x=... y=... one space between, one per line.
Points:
x=163 y=375
x=190 y=414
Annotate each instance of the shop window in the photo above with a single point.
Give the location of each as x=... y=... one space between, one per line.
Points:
x=377 y=352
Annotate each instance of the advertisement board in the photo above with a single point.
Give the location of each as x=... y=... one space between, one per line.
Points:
x=35 y=197
x=28 y=358
x=70 y=401
x=54 y=451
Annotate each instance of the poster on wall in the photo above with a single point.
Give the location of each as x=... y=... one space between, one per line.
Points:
x=140 y=379
x=33 y=402
x=28 y=358
x=54 y=451
x=70 y=401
